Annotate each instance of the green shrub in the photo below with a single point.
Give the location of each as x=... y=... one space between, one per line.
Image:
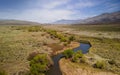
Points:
x=111 y=62
x=83 y=59
x=100 y=64
x=75 y=59
x=63 y=39
x=32 y=55
x=39 y=64
x=3 y=73
x=77 y=56
x=71 y=38
x=59 y=36
x=68 y=53
x=52 y=33
x=65 y=43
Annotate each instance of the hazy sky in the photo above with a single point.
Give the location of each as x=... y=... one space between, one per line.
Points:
x=51 y=10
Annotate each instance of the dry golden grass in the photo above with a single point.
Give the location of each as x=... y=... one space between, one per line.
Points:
x=16 y=44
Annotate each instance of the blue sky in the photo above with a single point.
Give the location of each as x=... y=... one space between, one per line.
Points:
x=45 y=11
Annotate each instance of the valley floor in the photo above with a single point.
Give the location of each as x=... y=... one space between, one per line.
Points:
x=17 y=42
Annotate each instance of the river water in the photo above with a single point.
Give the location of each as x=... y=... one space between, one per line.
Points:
x=55 y=70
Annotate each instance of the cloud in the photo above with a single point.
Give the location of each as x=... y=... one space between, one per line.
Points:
x=54 y=4
x=43 y=16
x=47 y=4
x=46 y=15
x=42 y=11
x=81 y=4
x=46 y=11
x=112 y=6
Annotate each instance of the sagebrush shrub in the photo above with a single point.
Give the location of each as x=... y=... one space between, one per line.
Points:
x=68 y=53
x=39 y=64
x=100 y=64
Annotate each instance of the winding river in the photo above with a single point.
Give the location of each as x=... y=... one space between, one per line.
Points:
x=55 y=70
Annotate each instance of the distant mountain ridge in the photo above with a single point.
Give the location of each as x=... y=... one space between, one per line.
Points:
x=66 y=21
x=103 y=18
x=17 y=22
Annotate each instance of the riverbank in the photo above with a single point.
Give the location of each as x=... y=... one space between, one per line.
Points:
x=69 y=68
x=93 y=58
x=55 y=69
x=70 y=46
x=105 y=42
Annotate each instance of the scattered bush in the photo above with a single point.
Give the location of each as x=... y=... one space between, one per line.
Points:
x=60 y=36
x=52 y=32
x=28 y=28
x=65 y=43
x=77 y=56
x=32 y=55
x=63 y=39
x=75 y=59
x=3 y=73
x=68 y=53
x=83 y=59
x=111 y=62
x=71 y=38
x=100 y=64
x=39 y=64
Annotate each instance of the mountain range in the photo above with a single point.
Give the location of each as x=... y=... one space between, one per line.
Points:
x=17 y=22
x=104 y=18
x=113 y=17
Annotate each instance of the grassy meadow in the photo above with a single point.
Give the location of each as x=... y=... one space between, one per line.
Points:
x=100 y=31
x=17 y=42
